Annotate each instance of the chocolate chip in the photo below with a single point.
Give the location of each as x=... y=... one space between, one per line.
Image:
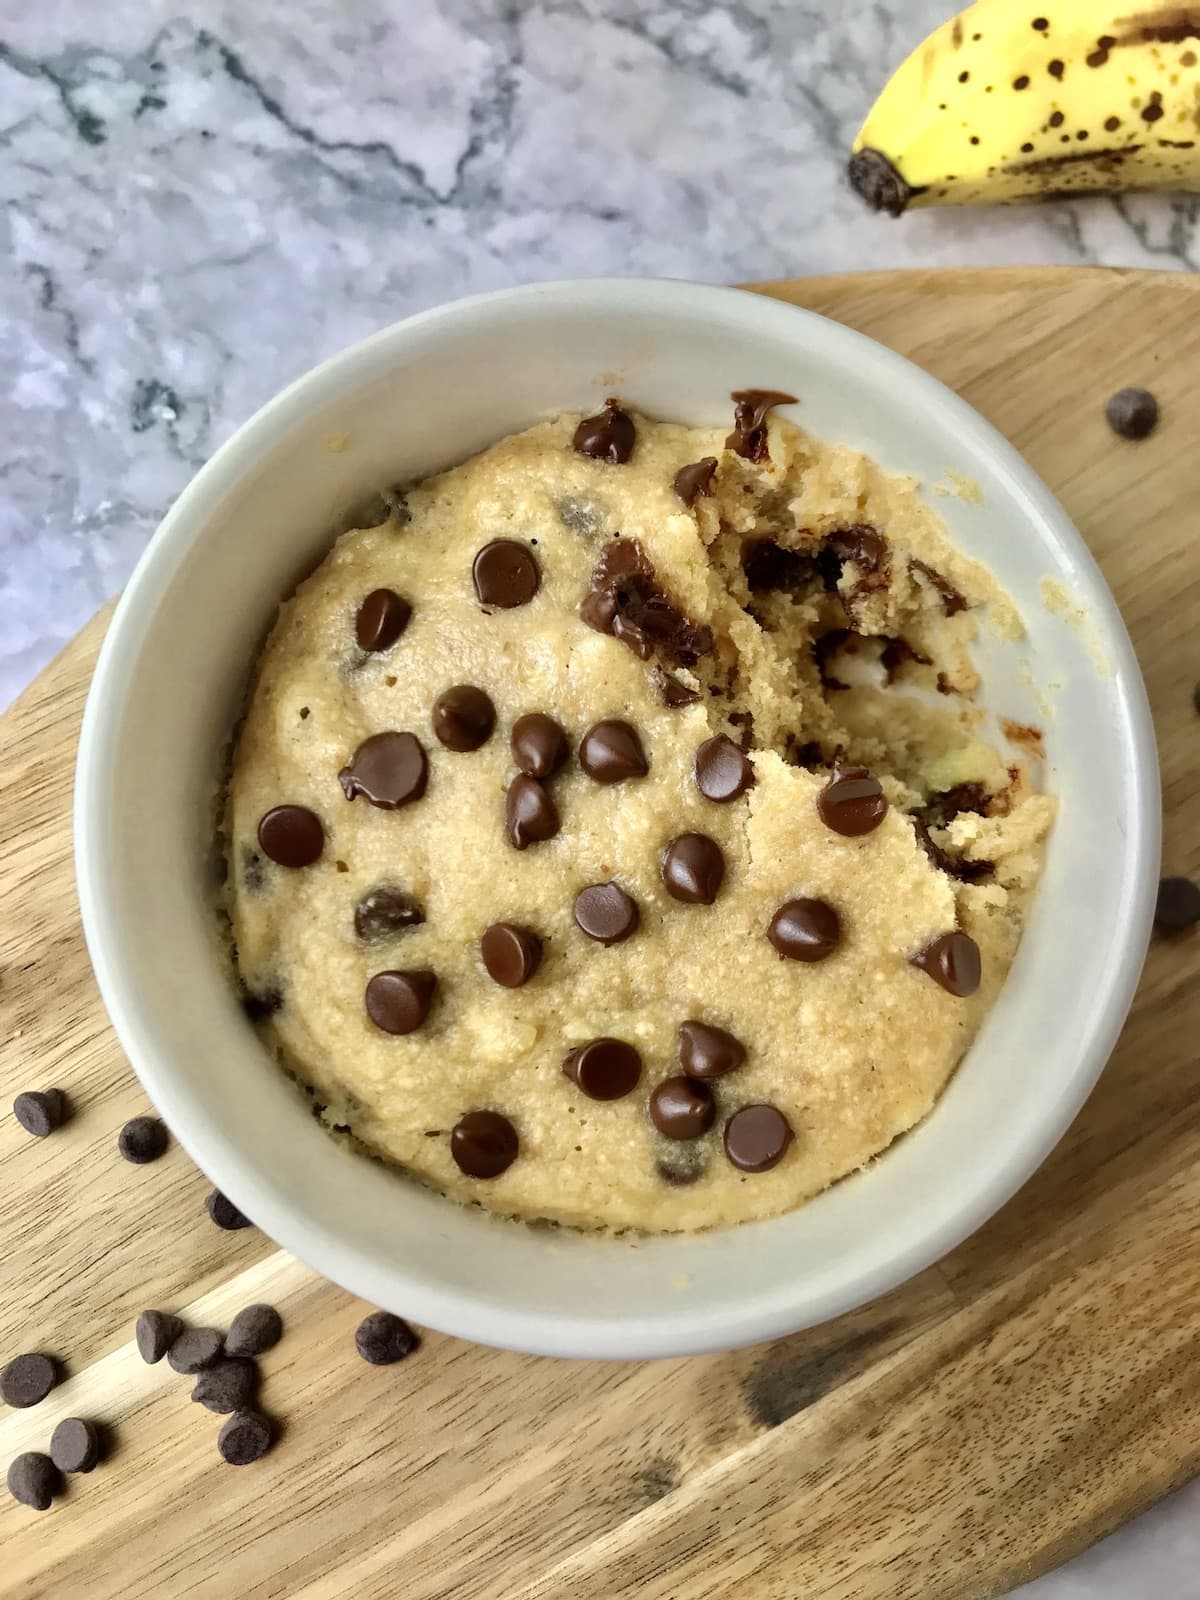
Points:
x=952 y=600
x=156 y=1332
x=255 y=1328
x=510 y=953
x=610 y=436
x=398 y=1002
x=260 y=1006
x=34 y=1480
x=606 y=913
x=530 y=815
x=861 y=545
x=693 y=481
x=539 y=745
x=195 y=1349
x=611 y=751
x=506 y=575
x=483 y=1144
x=805 y=930
x=772 y=568
x=693 y=868
x=626 y=600
x=1132 y=413
x=852 y=802
x=75 y=1445
x=682 y=1108
x=674 y=694
x=604 y=1069
x=1177 y=906
x=388 y=769
x=708 y=1052
x=757 y=1138
x=142 y=1139
x=723 y=772
x=463 y=717
x=244 y=1437
x=40 y=1111
x=952 y=960
x=684 y=1164
x=292 y=836
x=384 y=1338
x=27 y=1380
x=224 y=1213
x=228 y=1385
x=749 y=436
x=582 y=517
x=826 y=646
x=384 y=912
x=954 y=866
x=382 y=618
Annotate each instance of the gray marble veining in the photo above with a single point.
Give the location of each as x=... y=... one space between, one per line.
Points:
x=201 y=202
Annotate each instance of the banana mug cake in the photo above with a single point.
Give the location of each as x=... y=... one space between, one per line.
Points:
x=612 y=837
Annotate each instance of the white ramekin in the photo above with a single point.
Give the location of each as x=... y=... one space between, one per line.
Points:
x=420 y=396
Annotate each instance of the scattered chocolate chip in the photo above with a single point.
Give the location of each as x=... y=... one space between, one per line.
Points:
x=675 y=694
x=824 y=648
x=772 y=568
x=1178 y=905
x=253 y=875
x=384 y=912
x=852 y=803
x=611 y=751
x=384 y=1338
x=539 y=745
x=228 y=1385
x=757 y=1138
x=156 y=1332
x=40 y=1111
x=398 y=1002
x=224 y=1213
x=530 y=815
x=895 y=653
x=609 y=436
x=682 y=1165
x=142 y=1139
x=749 y=436
x=195 y=1349
x=943 y=807
x=952 y=960
x=244 y=1437
x=805 y=930
x=954 y=866
x=463 y=717
x=255 y=1328
x=864 y=548
x=604 y=1069
x=27 y=1380
x=1132 y=413
x=75 y=1445
x=382 y=618
x=388 y=769
x=510 y=953
x=708 y=1052
x=723 y=772
x=506 y=575
x=260 y=1006
x=692 y=482
x=952 y=600
x=682 y=1108
x=292 y=836
x=483 y=1144
x=606 y=913
x=693 y=868
x=625 y=599
x=34 y=1480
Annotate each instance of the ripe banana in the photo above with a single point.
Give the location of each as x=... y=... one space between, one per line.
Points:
x=1022 y=99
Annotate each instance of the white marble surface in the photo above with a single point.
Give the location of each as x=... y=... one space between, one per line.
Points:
x=202 y=201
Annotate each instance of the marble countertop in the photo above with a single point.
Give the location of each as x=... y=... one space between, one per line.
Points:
x=201 y=202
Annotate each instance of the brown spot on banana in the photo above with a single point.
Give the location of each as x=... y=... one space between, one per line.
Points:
x=1162 y=25
x=956 y=33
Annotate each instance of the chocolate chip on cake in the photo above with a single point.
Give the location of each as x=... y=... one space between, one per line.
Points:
x=625 y=599
x=463 y=717
x=539 y=745
x=530 y=815
x=156 y=1332
x=862 y=546
x=605 y=1069
x=244 y=1438
x=506 y=575
x=142 y=1139
x=384 y=1338
x=27 y=1380
x=195 y=1349
x=611 y=751
x=1177 y=906
x=751 y=406
x=75 y=1445
x=381 y=619
x=388 y=769
x=673 y=694
x=609 y=436
x=511 y=954
x=384 y=912
x=398 y=1002
x=952 y=961
x=805 y=930
x=292 y=836
x=606 y=913
x=255 y=1328
x=953 y=601
x=708 y=1052
x=224 y=1213
x=483 y=1144
x=258 y=1007
x=693 y=868
x=682 y=1108
x=228 y=1385
x=757 y=1138
x=723 y=771
x=693 y=481
x=34 y=1480
x=852 y=802
x=1132 y=413
x=40 y=1111
x=772 y=568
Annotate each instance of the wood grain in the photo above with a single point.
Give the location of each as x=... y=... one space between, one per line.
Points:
x=978 y=1425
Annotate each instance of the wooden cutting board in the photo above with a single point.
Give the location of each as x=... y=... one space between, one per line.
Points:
x=984 y=1422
